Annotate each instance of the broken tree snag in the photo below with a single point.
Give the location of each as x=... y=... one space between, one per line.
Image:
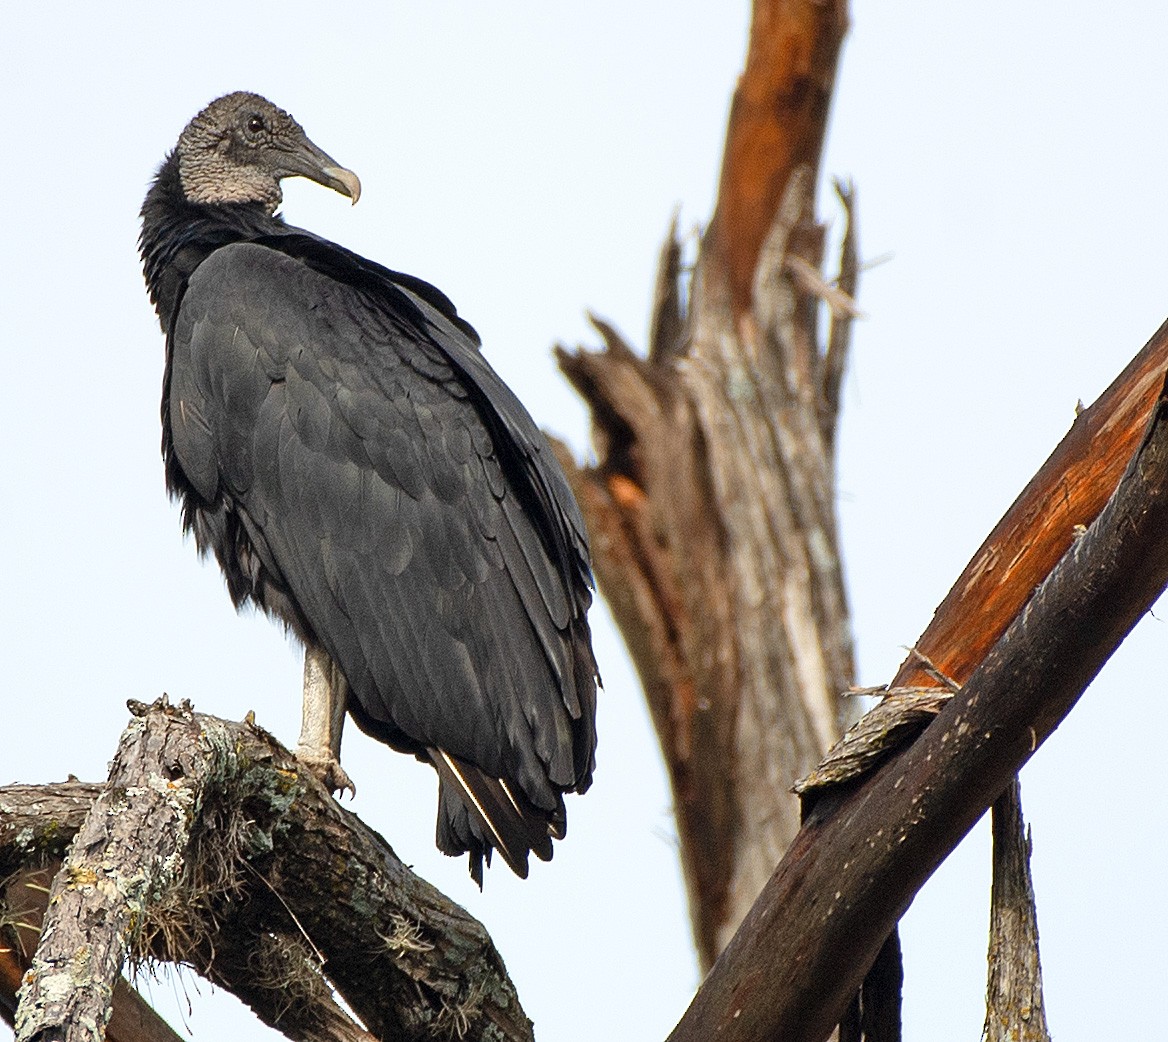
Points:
x=659 y=553
x=1064 y=496
x=1015 y=1011
x=778 y=117
x=260 y=882
x=793 y=967
x=711 y=509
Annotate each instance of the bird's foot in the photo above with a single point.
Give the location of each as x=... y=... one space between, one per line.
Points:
x=327 y=769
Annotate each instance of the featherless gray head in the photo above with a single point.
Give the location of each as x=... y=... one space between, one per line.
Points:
x=240 y=146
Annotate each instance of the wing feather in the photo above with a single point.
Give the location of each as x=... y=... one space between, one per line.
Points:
x=405 y=499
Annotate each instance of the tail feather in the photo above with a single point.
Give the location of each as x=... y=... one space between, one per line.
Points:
x=478 y=813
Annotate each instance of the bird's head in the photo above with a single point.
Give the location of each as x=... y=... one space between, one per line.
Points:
x=239 y=148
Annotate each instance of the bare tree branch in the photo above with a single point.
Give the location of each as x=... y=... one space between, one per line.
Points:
x=128 y=852
x=863 y=853
x=1066 y=495
x=839 y=338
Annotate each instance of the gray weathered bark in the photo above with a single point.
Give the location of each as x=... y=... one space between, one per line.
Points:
x=1015 y=1011
x=211 y=846
x=712 y=506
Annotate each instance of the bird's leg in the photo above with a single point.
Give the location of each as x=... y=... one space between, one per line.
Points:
x=326 y=693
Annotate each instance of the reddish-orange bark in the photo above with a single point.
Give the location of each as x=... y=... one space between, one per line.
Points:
x=1068 y=491
x=777 y=121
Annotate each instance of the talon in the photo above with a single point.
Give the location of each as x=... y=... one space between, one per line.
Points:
x=327 y=770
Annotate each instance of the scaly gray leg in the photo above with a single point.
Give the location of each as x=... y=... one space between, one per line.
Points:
x=326 y=693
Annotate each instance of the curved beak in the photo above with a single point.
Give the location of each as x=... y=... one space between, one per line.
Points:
x=341 y=180
x=306 y=160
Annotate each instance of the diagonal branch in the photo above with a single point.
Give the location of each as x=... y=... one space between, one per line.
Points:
x=26 y=897
x=863 y=853
x=1066 y=494
x=105 y=888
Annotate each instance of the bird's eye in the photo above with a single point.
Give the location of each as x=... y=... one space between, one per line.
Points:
x=255 y=124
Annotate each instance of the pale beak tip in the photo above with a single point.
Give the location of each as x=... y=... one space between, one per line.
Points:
x=345 y=181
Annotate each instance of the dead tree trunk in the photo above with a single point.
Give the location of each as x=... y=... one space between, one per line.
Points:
x=711 y=508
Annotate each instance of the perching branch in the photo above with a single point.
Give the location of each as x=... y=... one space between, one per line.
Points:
x=258 y=880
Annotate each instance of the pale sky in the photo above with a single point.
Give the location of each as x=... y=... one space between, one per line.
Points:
x=526 y=159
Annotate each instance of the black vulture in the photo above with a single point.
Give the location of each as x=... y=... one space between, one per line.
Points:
x=361 y=473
